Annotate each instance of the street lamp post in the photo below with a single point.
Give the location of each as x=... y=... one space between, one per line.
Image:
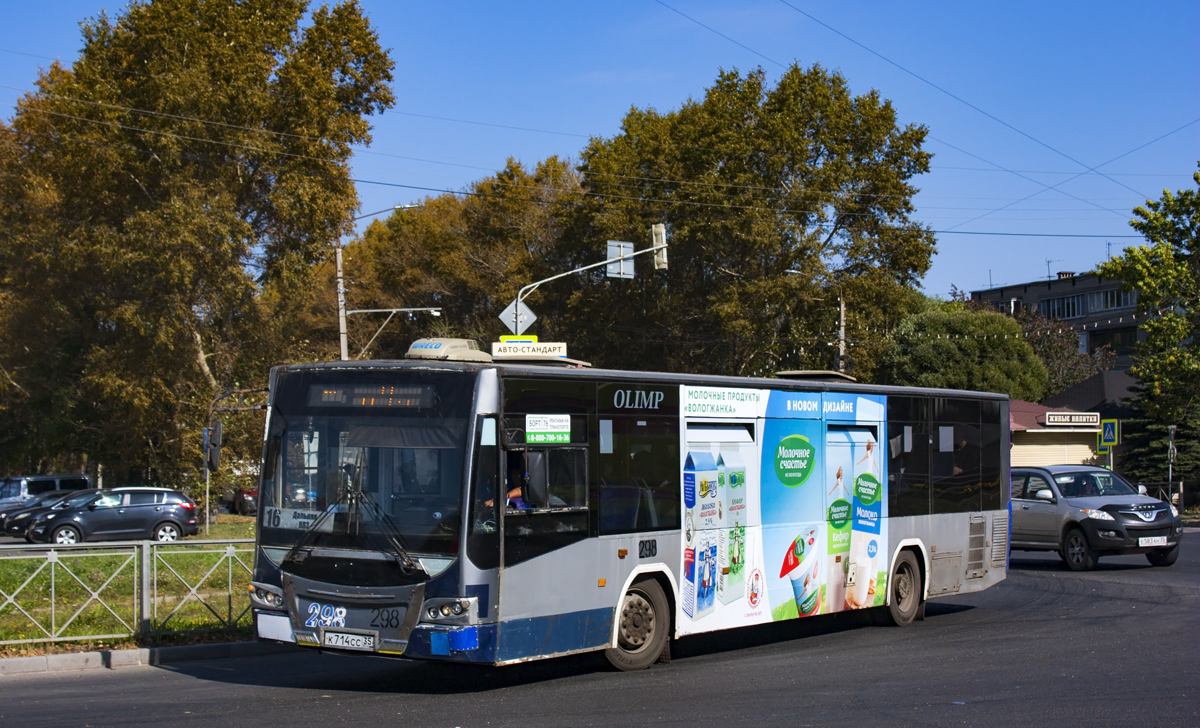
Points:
x=341 y=282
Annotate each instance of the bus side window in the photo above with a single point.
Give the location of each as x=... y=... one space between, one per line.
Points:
x=908 y=456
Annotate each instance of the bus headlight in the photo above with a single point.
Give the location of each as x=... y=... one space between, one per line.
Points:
x=266 y=596
x=454 y=610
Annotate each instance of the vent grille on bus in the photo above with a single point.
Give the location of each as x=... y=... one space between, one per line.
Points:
x=976 y=545
x=999 y=540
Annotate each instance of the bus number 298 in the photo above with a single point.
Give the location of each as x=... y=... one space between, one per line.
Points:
x=648 y=548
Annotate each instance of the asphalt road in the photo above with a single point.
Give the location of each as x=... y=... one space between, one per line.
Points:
x=1115 y=646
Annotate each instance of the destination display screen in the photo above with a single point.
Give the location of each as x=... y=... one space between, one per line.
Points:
x=413 y=396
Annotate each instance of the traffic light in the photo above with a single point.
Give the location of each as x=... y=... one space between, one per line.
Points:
x=658 y=236
x=212 y=446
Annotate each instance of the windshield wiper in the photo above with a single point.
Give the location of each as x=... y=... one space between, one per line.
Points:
x=354 y=498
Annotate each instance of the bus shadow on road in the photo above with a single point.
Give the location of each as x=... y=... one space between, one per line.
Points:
x=310 y=670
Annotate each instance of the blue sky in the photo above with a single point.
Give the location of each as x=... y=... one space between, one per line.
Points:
x=1077 y=83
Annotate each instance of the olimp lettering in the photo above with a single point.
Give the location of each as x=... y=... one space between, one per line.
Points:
x=636 y=399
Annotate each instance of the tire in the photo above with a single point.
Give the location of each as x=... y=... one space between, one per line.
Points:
x=643 y=628
x=905 y=590
x=1077 y=552
x=166 y=532
x=1163 y=557
x=66 y=535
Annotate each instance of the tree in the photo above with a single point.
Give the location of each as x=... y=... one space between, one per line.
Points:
x=752 y=182
x=949 y=346
x=467 y=254
x=196 y=152
x=1145 y=456
x=1055 y=343
x=1166 y=276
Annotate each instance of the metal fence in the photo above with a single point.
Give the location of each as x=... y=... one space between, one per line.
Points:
x=122 y=589
x=1170 y=492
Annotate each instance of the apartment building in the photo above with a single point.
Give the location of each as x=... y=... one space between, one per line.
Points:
x=1099 y=311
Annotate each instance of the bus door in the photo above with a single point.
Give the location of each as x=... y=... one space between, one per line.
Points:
x=853 y=507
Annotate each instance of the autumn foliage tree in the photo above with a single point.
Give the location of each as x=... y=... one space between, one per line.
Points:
x=195 y=153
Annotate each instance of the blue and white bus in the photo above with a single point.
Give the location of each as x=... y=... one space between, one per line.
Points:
x=451 y=507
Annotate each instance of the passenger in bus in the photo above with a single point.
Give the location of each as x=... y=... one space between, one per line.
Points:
x=516 y=481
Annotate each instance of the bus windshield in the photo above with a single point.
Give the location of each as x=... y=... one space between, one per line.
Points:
x=368 y=461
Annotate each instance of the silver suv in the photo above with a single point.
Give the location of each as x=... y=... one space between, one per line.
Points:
x=1084 y=512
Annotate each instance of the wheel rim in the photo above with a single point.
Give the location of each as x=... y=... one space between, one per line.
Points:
x=65 y=536
x=1075 y=550
x=637 y=622
x=904 y=587
x=167 y=533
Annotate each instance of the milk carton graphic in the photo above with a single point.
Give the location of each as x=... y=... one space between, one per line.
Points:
x=700 y=576
x=731 y=478
x=837 y=553
x=802 y=565
x=865 y=541
x=731 y=563
x=701 y=494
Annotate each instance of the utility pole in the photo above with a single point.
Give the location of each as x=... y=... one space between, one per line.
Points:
x=341 y=302
x=841 y=360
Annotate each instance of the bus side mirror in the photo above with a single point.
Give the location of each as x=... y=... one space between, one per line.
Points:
x=537 y=490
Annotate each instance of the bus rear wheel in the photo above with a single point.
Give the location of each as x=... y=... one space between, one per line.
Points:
x=643 y=627
x=906 y=589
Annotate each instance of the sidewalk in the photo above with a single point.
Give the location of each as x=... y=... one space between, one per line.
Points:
x=117 y=659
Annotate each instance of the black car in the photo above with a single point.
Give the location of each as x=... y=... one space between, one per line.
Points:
x=160 y=514
x=14 y=521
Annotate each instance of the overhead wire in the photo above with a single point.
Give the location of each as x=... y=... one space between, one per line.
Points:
x=957 y=98
x=939 y=88
x=723 y=185
x=606 y=196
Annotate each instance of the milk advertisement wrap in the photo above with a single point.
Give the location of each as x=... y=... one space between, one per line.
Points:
x=731 y=564
x=700 y=575
x=701 y=496
x=811 y=537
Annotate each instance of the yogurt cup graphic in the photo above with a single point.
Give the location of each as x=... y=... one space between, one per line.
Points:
x=806 y=576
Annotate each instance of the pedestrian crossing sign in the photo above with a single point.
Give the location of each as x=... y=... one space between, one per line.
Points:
x=1110 y=433
x=1101 y=448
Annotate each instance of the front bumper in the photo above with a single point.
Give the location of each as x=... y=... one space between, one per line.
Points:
x=1126 y=537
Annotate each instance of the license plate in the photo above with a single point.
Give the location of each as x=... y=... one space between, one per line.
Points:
x=350 y=641
x=1152 y=541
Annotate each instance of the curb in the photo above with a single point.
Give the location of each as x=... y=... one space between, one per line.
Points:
x=117 y=659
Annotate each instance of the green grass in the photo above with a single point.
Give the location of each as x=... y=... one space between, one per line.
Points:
x=228 y=526
x=70 y=609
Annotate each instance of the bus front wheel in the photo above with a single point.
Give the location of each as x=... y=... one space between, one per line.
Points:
x=643 y=627
x=906 y=589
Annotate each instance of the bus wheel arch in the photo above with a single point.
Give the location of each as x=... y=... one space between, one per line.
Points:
x=916 y=548
x=643 y=621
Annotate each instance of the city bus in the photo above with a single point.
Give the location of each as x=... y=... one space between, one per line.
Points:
x=451 y=506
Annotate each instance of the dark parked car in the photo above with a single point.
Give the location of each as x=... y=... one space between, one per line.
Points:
x=160 y=514
x=15 y=520
x=1084 y=512
x=17 y=490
